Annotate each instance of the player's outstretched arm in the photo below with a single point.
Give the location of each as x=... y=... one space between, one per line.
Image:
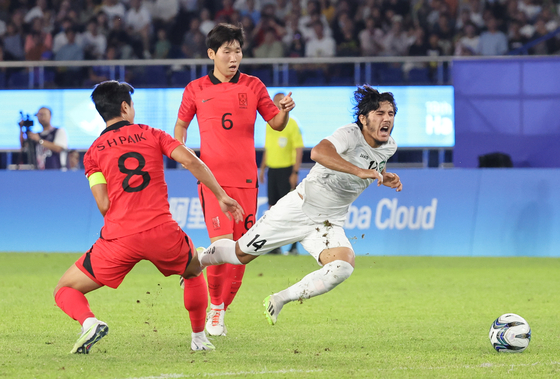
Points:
x=180 y=131
x=280 y=121
x=325 y=154
x=392 y=180
x=191 y=162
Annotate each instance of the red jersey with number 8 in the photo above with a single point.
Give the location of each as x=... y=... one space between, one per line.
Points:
x=226 y=114
x=130 y=157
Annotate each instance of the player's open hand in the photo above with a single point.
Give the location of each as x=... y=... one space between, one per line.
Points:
x=392 y=180
x=370 y=174
x=231 y=207
x=287 y=103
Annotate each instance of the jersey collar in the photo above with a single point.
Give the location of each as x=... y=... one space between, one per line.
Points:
x=215 y=80
x=115 y=126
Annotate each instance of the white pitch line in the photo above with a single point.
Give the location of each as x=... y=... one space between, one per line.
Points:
x=265 y=372
x=483 y=365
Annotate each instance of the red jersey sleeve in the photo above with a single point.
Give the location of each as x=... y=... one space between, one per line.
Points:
x=266 y=106
x=90 y=165
x=187 y=110
x=167 y=143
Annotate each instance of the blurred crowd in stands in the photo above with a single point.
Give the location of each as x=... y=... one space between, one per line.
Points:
x=65 y=30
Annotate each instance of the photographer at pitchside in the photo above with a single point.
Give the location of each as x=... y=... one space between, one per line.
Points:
x=49 y=146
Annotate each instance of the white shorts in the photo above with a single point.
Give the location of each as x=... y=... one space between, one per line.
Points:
x=285 y=223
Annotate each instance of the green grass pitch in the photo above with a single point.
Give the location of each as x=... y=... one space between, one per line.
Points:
x=395 y=317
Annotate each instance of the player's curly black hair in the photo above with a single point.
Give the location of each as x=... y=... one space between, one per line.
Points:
x=367 y=99
x=108 y=97
x=224 y=33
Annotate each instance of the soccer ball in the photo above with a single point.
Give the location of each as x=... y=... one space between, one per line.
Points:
x=510 y=333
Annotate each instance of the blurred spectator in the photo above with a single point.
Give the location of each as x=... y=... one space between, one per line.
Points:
x=267 y=22
x=92 y=42
x=46 y=38
x=313 y=15
x=492 y=41
x=98 y=74
x=395 y=42
x=194 y=42
x=444 y=30
x=36 y=11
x=138 y=22
x=37 y=49
x=249 y=8
x=4 y=10
x=282 y=9
x=164 y=13
x=530 y=9
x=74 y=161
x=328 y=10
x=163 y=45
x=103 y=23
x=71 y=51
x=224 y=14
x=320 y=45
x=468 y=43
x=13 y=42
x=271 y=47
x=515 y=38
x=206 y=22
x=545 y=47
x=113 y=8
x=348 y=45
x=88 y=11
x=120 y=38
x=60 y=38
x=296 y=49
x=371 y=39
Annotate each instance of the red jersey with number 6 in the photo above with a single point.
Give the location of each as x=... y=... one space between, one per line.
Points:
x=226 y=114
x=130 y=156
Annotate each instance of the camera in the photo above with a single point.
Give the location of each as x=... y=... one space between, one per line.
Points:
x=26 y=123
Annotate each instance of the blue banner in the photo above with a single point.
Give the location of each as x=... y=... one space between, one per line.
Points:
x=459 y=212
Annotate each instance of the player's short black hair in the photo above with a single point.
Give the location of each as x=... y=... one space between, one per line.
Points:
x=108 y=97
x=224 y=33
x=367 y=99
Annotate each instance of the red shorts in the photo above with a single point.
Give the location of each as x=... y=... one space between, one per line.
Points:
x=217 y=222
x=166 y=246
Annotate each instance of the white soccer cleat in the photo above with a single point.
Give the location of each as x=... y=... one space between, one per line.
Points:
x=200 y=343
x=215 y=322
x=271 y=309
x=89 y=337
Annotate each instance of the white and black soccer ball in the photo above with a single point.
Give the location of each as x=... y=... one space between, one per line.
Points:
x=510 y=333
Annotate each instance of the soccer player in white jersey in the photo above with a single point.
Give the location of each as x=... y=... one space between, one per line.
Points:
x=347 y=162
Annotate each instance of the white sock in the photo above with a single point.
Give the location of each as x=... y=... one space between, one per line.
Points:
x=317 y=283
x=198 y=335
x=213 y=306
x=88 y=322
x=221 y=251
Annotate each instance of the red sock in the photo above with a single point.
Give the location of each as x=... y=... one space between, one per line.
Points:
x=73 y=303
x=196 y=302
x=217 y=280
x=235 y=276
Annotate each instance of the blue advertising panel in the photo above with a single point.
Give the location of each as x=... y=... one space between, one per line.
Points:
x=425 y=117
x=462 y=212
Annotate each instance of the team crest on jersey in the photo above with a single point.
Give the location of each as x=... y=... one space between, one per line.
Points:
x=216 y=223
x=242 y=100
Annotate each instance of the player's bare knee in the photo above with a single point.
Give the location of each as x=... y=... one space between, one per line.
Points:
x=243 y=257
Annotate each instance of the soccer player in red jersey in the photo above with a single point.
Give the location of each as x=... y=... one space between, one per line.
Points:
x=226 y=103
x=124 y=167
